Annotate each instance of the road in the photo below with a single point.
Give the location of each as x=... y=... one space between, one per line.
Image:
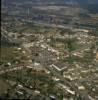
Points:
x=10 y=70
x=50 y=24
x=65 y=82
x=82 y=94
x=4 y=34
x=71 y=84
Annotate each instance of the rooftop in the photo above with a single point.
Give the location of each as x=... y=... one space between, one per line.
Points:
x=60 y=66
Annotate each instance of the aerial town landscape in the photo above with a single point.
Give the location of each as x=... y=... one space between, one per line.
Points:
x=49 y=49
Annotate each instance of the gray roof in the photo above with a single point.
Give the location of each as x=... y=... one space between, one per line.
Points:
x=60 y=66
